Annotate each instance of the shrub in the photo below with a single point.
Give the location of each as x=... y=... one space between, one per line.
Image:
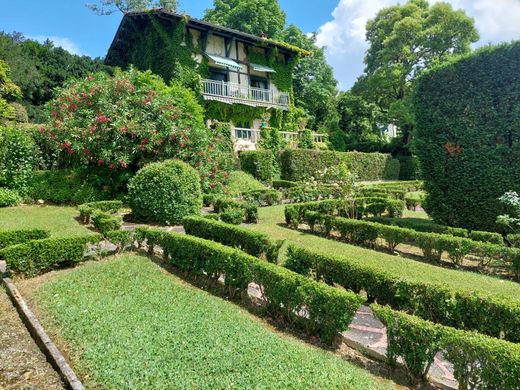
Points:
x=13 y=237
x=302 y=164
x=250 y=211
x=9 y=197
x=34 y=257
x=234 y=216
x=259 y=164
x=494 y=316
x=64 y=186
x=514 y=240
x=86 y=210
x=491 y=237
x=17 y=159
x=105 y=222
x=239 y=182
x=111 y=126
x=409 y=169
x=122 y=239
x=468 y=155
x=255 y=243
x=284 y=292
x=414 y=199
x=284 y=184
x=265 y=197
x=165 y=192
x=479 y=361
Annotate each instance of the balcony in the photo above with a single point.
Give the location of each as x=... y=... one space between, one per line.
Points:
x=235 y=93
x=247 y=139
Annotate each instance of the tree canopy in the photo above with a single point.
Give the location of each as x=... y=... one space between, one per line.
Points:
x=8 y=91
x=405 y=40
x=251 y=16
x=108 y=7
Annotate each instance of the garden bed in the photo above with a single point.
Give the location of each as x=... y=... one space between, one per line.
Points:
x=127 y=323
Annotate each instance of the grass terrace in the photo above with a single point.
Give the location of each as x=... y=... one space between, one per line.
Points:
x=272 y=218
x=127 y=323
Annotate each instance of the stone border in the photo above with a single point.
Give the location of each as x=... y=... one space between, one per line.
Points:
x=36 y=330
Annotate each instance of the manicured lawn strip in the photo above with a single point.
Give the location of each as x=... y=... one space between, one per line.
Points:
x=128 y=324
x=60 y=221
x=271 y=217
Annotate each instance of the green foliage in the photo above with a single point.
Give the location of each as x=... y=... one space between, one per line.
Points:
x=256 y=244
x=409 y=168
x=436 y=301
x=300 y=165
x=414 y=200
x=305 y=139
x=100 y=214
x=469 y=156
x=37 y=256
x=251 y=16
x=8 y=91
x=259 y=163
x=165 y=192
x=112 y=126
x=122 y=239
x=108 y=7
x=9 y=197
x=105 y=222
x=239 y=182
x=20 y=236
x=264 y=197
x=479 y=361
x=232 y=215
x=329 y=310
x=64 y=186
x=249 y=211
x=282 y=77
x=17 y=160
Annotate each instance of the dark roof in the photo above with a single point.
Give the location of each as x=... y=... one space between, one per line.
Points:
x=205 y=26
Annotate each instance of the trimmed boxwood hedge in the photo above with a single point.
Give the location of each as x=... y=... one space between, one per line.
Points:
x=259 y=163
x=479 y=361
x=302 y=164
x=494 y=316
x=34 y=257
x=14 y=237
x=329 y=310
x=467 y=136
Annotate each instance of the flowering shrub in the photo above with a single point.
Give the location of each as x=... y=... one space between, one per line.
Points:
x=112 y=126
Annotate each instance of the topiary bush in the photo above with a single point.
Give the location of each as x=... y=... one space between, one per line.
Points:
x=467 y=136
x=17 y=159
x=113 y=126
x=165 y=192
x=9 y=197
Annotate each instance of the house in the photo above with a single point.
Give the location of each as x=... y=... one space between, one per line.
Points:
x=241 y=77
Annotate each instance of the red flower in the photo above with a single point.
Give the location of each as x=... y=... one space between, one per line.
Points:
x=145 y=141
x=123 y=163
x=92 y=129
x=72 y=107
x=123 y=130
x=102 y=119
x=54 y=113
x=182 y=144
x=100 y=162
x=112 y=166
x=86 y=152
x=211 y=185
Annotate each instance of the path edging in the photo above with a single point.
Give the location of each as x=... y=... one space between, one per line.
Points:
x=44 y=342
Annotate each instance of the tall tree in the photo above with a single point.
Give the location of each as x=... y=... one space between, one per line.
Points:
x=9 y=91
x=404 y=41
x=108 y=7
x=313 y=79
x=357 y=119
x=251 y=16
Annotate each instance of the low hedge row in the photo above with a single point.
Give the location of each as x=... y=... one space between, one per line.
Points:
x=284 y=184
x=427 y=226
x=255 y=243
x=286 y=294
x=479 y=361
x=351 y=208
x=307 y=193
x=302 y=164
x=34 y=257
x=382 y=192
x=433 y=245
x=105 y=222
x=265 y=197
x=494 y=316
x=403 y=185
x=224 y=205
x=87 y=209
x=20 y=236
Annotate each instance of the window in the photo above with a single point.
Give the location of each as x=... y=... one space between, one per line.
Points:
x=218 y=74
x=259 y=82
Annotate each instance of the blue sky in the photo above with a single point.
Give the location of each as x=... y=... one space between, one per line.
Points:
x=339 y=23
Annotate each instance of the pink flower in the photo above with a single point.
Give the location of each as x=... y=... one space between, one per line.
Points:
x=112 y=166
x=123 y=130
x=211 y=185
x=86 y=152
x=92 y=129
x=102 y=119
x=72 y=107
x=100 y=162
x=122 y=163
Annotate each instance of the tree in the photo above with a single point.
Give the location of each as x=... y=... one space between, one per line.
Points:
x=108 y=7
x=357 y=119
x=250 y=16
x=8 y=91
x=313 y=79
x=404 y=41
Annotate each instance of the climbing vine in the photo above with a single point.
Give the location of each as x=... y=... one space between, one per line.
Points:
x=283 y=76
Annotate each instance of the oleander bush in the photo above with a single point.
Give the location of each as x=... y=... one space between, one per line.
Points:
x=9 y=197
x=34 y=257
x=479 y=361
x=304 y=164
x=258 y=163
x=469 y=154
x=255 y=243
x=20 y=236
x=165 y=192
x=437 y=302
x=285 y=293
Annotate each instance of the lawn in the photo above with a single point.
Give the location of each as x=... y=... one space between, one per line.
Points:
x=129 y=324
x=272 y=217
x=60 y=221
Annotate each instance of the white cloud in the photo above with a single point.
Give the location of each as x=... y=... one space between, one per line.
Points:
x=344 y=35
x=63 y=42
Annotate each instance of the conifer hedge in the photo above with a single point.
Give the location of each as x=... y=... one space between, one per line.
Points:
x=468 y=135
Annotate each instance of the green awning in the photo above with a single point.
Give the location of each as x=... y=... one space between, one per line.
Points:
x=224 y=61
x=262 y=68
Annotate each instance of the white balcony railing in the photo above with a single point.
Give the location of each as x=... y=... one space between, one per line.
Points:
x=237 y=93
x=253 y=135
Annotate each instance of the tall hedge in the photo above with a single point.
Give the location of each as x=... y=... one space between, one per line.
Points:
x=259 y=164
x=302 y=164
x=468 y=135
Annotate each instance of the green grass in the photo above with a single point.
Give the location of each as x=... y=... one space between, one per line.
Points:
x=271 y=217
x=58 y=220
x=128 y=324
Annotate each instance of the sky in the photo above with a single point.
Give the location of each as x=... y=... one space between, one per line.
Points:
x=340 y=25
